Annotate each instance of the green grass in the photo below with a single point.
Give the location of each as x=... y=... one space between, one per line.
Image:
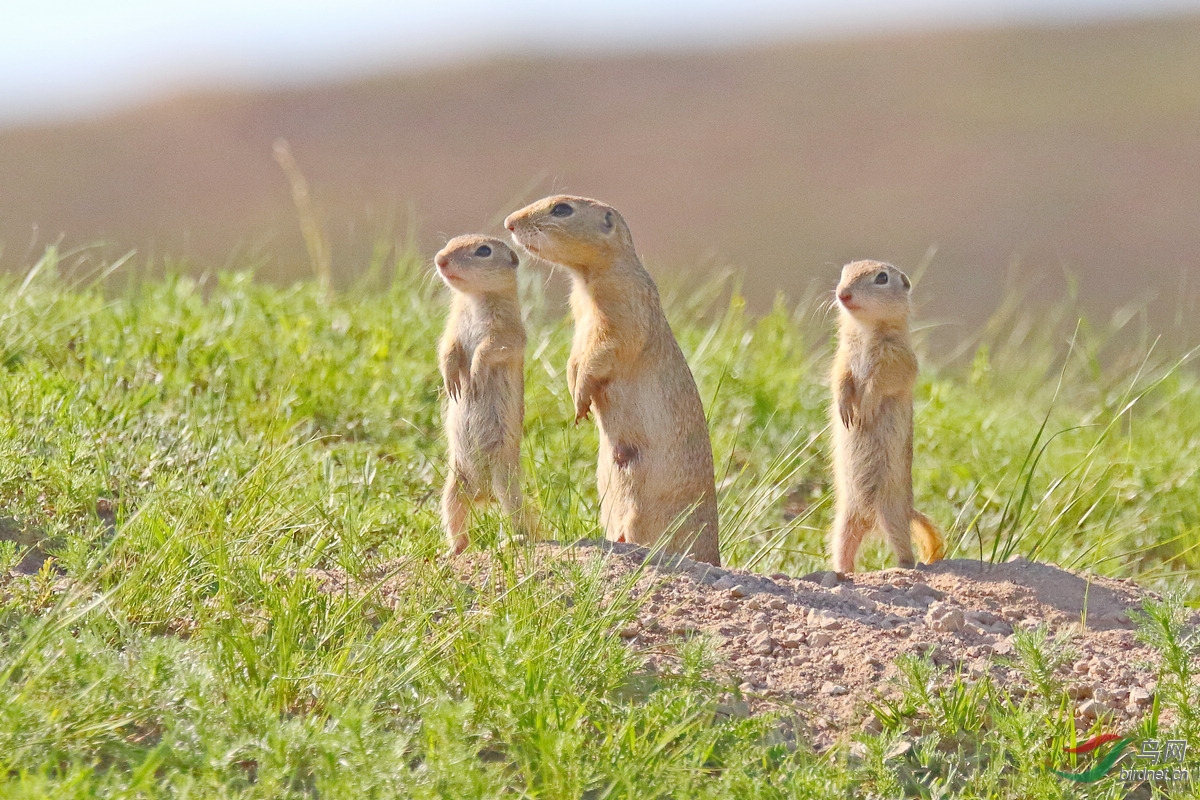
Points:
x=196 y=457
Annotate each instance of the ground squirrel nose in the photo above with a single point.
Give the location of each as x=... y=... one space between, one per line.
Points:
x=441 y=261
x=845 y=297
x=508 y=223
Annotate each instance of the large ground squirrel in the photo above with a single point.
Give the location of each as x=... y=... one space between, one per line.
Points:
x=873 y=376
x=482 y=360
x=655 y=470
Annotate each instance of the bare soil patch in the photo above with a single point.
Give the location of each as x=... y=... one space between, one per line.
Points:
x=819 y=647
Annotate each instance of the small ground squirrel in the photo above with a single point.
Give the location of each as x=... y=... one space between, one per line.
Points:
x=873 y=376
x=655 y=467
x=482 y=360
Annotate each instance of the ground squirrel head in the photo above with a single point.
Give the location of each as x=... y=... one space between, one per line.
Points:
x=580 y=234
x=476 y=264
x=872 y=291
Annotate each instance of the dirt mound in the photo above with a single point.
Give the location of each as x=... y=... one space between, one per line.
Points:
x=822 y=647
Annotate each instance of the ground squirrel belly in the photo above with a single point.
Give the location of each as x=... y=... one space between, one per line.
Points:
x=655 y=467
x=874 y=372
x=482 y=361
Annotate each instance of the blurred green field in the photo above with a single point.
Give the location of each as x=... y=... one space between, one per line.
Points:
x=182 y=451
x=1036 y=149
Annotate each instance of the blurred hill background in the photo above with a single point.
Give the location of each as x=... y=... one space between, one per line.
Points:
x=1043 y=149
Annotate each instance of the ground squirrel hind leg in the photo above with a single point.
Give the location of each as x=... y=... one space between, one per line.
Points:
x=520 y=514
x=455 y=510
x=896 y=521
x=848 y=531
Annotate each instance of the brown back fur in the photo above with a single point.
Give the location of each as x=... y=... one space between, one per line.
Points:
x=655 y=467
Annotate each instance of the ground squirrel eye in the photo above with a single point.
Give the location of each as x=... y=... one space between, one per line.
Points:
x=483 y=251
x=881 y=278
x=561 y=210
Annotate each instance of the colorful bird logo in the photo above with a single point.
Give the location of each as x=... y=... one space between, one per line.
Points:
x=1101 y=767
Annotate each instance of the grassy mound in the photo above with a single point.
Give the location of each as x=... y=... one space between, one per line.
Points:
x=179 y=459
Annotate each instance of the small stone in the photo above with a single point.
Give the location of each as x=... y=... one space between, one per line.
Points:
x=629 y=631
x=1092 y=709
x=737 y=591
x=1003 y=647
x=820 y=639
x=724 y=583
x=760 y=624
x=829 y=580
x=729 y=604
x=941 y=617
x=762 y=644
x=871 y=724
x=780 y=576
x=923 y=648
x=833 y=690
x=980 y=618
x=1080 y=692
x=920 y=591
x=1117 y=696
x=823 y=620
x=777 y=603
x=734 y=708
x=1139 y=696
x=862 y=601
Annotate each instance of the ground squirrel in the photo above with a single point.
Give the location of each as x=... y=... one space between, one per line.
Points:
x=655 y=470
x=482 y=360
x=873 y=376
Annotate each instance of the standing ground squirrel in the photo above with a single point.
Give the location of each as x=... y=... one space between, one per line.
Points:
x=873 y=376
x=655 y=470
x=482 y=359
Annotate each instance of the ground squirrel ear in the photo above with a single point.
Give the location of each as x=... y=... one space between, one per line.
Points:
x=514 y=258
x=608 y=221
x=904 y=279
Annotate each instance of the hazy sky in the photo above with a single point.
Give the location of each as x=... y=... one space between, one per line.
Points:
x=66 y=57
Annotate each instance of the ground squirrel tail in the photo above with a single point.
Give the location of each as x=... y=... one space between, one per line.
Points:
x=929 y=539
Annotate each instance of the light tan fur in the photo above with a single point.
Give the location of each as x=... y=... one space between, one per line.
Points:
x=482 y=360
x=655 y=467
x=874 y=372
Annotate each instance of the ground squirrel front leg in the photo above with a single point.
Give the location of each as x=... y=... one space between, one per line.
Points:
x=489 y=352
x=848 y=399
x=454 y=369
x=590 y=378
x=572 y=372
